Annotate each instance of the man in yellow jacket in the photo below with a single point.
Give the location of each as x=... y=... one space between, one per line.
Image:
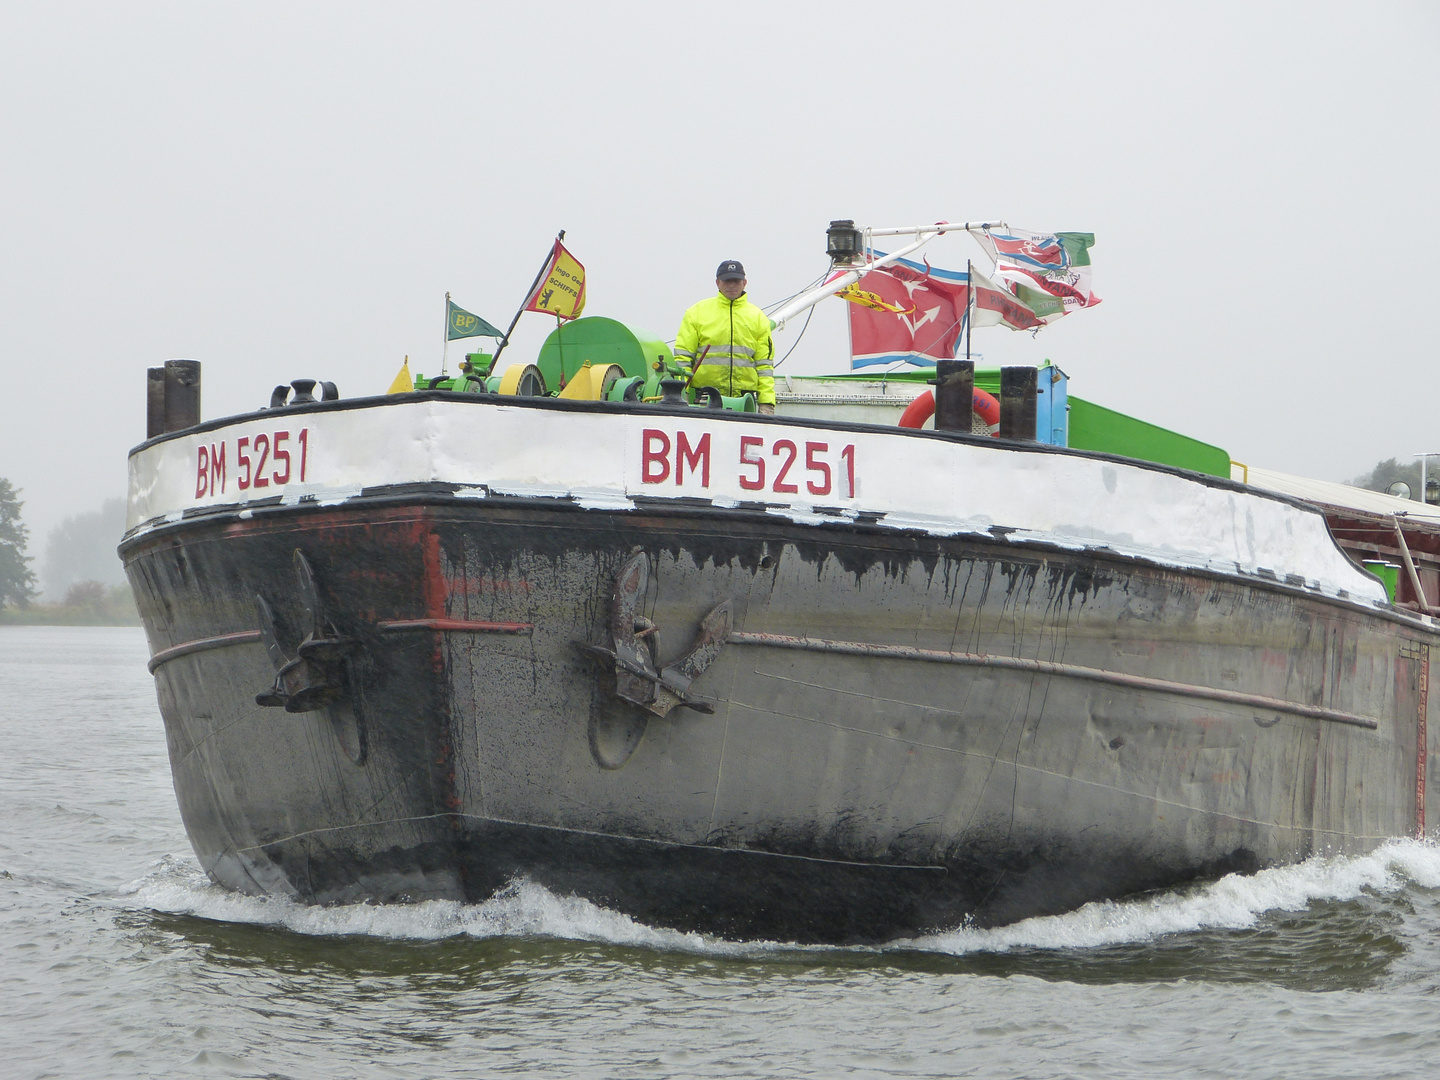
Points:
x=725 y=341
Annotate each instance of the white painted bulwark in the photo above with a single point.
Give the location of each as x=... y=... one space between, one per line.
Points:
x=605 y=460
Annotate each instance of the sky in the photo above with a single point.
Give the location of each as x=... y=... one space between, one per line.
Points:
x=289 y=190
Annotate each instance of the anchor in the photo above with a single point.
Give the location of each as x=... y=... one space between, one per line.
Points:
x=316 y=676
x=636 y=639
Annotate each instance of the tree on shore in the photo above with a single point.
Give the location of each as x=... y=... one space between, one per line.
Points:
x=82 y=548
x=1390 y=470
x=17 y=580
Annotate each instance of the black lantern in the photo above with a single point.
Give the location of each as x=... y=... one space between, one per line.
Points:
x=842 y=242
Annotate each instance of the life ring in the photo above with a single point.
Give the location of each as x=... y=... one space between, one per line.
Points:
x=923 y=407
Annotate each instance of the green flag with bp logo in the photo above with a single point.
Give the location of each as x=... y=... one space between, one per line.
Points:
x=459 y=323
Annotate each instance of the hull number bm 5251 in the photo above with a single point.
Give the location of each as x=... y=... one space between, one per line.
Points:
x=266 y=459
x=781 y=465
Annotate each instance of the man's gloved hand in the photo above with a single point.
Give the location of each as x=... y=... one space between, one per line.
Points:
x=767 y=409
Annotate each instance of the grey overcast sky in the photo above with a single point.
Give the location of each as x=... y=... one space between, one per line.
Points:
x=289 y=189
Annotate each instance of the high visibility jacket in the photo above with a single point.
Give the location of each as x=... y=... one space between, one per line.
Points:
x=730 y=340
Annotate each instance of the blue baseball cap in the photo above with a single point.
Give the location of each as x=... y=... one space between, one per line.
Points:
x=730 y=270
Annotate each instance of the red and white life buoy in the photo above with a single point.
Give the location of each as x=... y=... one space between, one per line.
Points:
x=923 y=407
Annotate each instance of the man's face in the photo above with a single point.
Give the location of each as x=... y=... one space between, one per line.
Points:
x=732 y=289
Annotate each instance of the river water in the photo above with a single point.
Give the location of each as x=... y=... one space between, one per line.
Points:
x=118 y=958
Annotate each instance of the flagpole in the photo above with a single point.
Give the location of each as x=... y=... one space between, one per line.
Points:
x=810 y=297
x=844 y=276
x=850 y=337
x=560 y=345
x=543 y=267
x=969 y=303
x=940 y=227
x=445 y=349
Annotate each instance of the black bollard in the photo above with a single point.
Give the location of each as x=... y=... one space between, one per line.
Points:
x=154 y=402
x=672 y=393
x=954 y=394
x=182 y=394
x=1017 y=403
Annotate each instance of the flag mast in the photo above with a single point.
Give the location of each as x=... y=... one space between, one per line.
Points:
x=560 y=346
x=528 y=293
x=445 y=350
x=923 y=235
x=969 y=303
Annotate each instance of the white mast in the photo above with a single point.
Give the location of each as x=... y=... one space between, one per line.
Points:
x=923 y=235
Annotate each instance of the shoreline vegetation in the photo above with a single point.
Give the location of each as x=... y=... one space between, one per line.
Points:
x=86 y=603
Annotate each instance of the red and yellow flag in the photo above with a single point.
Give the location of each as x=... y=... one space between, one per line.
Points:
x=561 y=291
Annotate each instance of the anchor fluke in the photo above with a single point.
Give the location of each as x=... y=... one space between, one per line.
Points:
x=315 y=676
x=638 y=680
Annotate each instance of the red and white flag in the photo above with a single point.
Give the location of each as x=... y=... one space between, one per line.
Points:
x=917 y=319
x=1037 y=265
x=996 y=305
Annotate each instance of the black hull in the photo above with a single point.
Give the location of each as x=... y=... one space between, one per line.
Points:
x=727 y=892
x=833 y=795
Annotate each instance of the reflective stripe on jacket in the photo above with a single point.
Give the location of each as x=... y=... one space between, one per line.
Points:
x=731 y=339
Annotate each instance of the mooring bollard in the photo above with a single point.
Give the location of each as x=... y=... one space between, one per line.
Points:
x=954 y=394
x=172 y=397
x=1017 y=403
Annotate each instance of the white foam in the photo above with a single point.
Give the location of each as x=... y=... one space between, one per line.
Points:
x=525 y=909
x=1234 y=902
x=521 y=909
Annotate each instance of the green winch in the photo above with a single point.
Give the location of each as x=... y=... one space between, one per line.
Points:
x=589 y=359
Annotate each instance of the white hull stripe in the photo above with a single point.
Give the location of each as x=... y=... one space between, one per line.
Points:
x=605 y=460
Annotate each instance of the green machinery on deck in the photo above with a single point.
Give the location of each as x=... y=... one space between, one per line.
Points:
x=600 y=341
x=591 y=358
